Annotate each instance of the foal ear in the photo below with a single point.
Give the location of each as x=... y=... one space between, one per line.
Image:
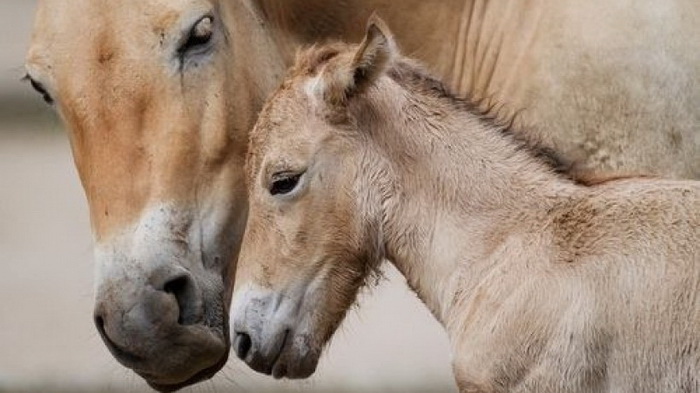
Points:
x=370 y=61
x=374 y=55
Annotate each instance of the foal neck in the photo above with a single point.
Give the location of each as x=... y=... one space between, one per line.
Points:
x=459 y=186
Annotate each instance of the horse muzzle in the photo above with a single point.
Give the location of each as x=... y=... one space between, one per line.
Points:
x=272 y=336
x=161 y=302
x=164 y=326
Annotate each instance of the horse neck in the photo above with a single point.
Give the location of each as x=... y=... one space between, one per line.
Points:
x=457 y=186
x=489 y=41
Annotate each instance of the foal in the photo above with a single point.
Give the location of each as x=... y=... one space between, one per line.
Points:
x=543 y=285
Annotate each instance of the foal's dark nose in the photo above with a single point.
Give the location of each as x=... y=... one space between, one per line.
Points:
x=242 y=345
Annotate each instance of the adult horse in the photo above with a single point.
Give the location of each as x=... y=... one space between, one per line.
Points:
x=158 y=97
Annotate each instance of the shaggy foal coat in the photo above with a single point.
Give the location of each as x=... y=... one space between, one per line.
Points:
x=543 y=284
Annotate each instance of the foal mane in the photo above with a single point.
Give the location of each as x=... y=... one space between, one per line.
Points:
x=412 y=75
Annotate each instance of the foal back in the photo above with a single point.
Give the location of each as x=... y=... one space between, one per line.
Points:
x=605 y=299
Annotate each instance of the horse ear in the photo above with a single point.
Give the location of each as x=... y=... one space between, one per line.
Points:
x=370 y=61
x=374 y=54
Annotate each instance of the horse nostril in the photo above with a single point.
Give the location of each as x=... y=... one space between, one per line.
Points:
x=120 y=353
x=242 y=344
x=184 y=290
x=100 y=324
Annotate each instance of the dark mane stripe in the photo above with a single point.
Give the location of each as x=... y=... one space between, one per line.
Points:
x=407 y=73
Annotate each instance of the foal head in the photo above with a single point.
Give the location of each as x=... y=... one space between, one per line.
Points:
x=312 y=238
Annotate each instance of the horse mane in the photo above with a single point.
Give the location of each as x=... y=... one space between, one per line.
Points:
x=406 y=72
x=413 y=75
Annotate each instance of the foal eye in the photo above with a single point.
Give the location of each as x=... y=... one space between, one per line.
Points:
x=284 y=183
x=39 y=89
x=199 y=36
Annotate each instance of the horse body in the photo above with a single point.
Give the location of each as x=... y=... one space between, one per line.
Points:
x=158 y=97
x=543 y=284
x=597 y=294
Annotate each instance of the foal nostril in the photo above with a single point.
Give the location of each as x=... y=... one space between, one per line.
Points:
x=184 y=290
x=242 y=344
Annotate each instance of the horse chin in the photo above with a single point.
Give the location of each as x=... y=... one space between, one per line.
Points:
x=186 y=367
x=296 y=361
x=202 y=375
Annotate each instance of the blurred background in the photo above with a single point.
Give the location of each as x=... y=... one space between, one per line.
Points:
x=390 y=343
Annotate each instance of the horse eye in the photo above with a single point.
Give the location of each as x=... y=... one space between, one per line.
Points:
x=199 y=36
x=285 y=184
x=39 y=89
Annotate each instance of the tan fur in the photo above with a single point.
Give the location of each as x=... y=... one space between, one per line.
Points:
x=609 y=84
x=543 y=285
x=525 y=56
